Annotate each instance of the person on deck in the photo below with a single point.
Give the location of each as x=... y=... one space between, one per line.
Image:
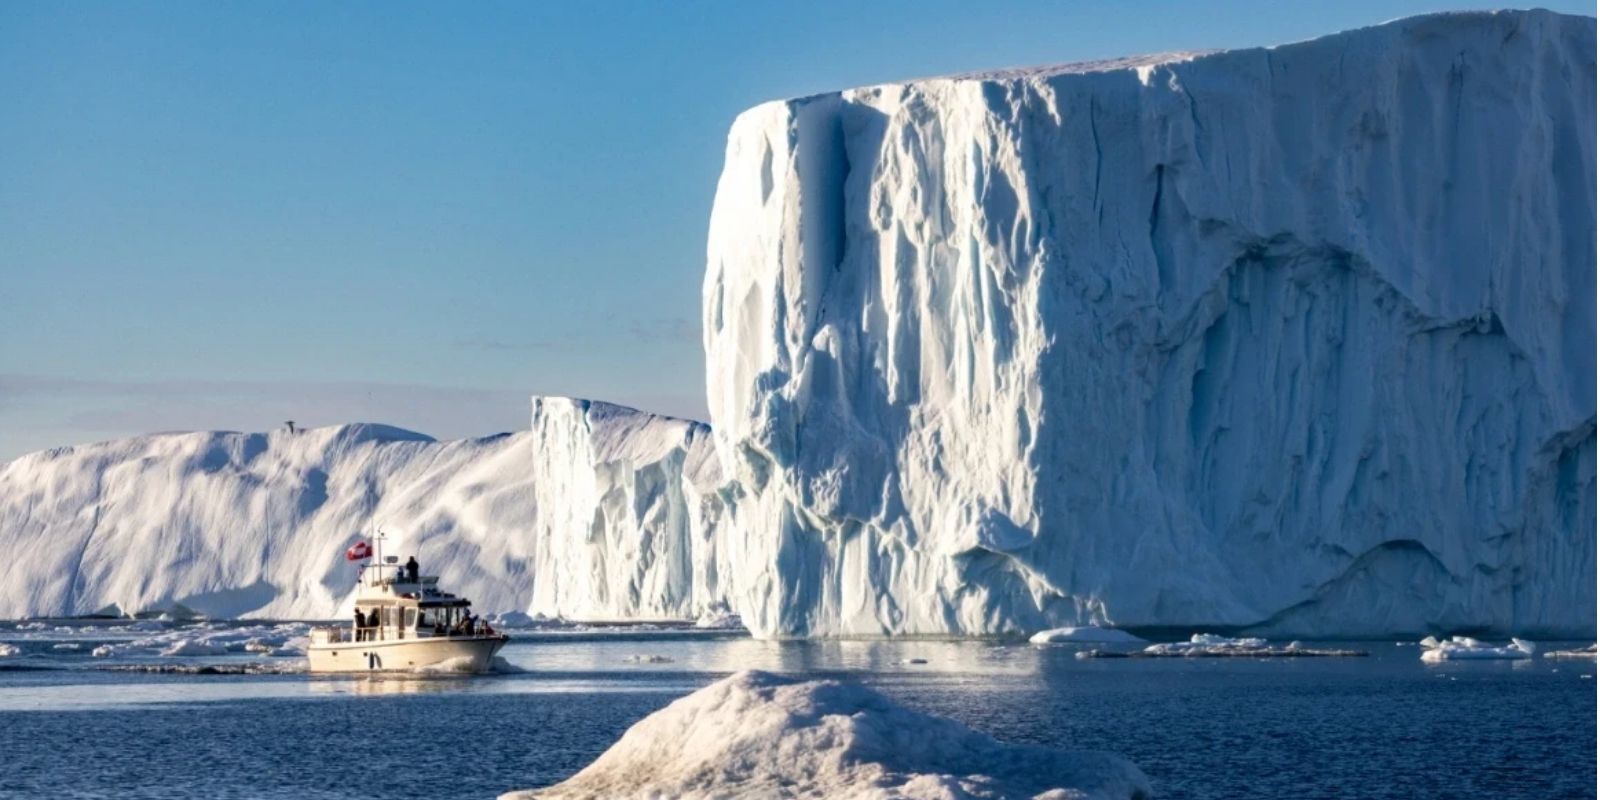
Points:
x=361 y=622
x=411 y=569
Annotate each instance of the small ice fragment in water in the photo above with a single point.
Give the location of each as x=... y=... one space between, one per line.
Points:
x=1090 y=633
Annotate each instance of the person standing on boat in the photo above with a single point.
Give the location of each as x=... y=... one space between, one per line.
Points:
x=411 y=569
x=361 y=622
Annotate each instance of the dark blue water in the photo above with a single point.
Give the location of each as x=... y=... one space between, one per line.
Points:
x=1387 y=726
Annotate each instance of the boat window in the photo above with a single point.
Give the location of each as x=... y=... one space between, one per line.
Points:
x=411 y=618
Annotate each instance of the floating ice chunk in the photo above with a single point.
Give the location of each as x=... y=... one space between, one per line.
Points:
x=1085 y=634
x=642 y=658
x=719 y=618
x=1582 y=652
x=193 y=647
x=1209 y=644
x=754 y=734
x=7 y=650
x=512 y=619
x=67 y=646
x=104 y=651
x=1466 y=647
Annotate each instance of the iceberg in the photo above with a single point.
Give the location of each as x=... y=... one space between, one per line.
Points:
x=1088 y=634
x=1296 y=340
x=1458 y=648
x=1286 y=341
x=626 y=511
x=1576 y=653
x=596 y=511
x=755 y=734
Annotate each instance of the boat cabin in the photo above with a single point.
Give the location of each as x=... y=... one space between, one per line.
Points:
x=394 y=606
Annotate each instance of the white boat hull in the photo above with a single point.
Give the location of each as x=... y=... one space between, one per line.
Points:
x=464 y=654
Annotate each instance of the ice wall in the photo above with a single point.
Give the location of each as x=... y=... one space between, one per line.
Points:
x=626 y=506
x=236 y=524
x=1299 y=339
x=589 y=514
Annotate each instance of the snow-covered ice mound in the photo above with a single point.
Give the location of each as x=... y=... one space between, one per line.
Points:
x=1088 y=634
x=1465 y=647
x=755 y=734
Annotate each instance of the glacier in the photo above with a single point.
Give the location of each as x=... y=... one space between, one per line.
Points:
x=601 y=520
x=1292 y=341
x=1295 y=340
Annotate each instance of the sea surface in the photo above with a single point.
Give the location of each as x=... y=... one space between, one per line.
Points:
x=73 y=725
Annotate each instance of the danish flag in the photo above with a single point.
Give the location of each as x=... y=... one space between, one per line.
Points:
x=358 y=551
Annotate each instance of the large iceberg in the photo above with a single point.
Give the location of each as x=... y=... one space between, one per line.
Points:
x=754 y=734
x=1294 y=341
x=626 y=512
x=1297 y=340
x=594 y=512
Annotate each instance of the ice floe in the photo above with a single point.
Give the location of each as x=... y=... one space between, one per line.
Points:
x=1458 y=648
x=1209 y=645
x=1085 y=634
x=648 y=658
x=755 y=734
x=1581 y=652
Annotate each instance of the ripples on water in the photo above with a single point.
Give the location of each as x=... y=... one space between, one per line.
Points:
x=1387 y=726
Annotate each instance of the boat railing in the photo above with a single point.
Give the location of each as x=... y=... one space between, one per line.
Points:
x=346 y=634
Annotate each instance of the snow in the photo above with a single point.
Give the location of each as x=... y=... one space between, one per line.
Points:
x=754 y=734
x=1296 y=340
x=1084 y=634
x=1464 y=647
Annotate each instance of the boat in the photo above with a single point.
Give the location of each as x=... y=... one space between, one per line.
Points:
x=408 y=623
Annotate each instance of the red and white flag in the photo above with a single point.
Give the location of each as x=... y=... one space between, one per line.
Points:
x=358 y=551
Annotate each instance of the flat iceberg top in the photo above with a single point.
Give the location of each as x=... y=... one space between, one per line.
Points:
x=755 y=734
x=1440 y=22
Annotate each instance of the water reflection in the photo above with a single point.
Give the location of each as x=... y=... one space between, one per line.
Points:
x=643 y=654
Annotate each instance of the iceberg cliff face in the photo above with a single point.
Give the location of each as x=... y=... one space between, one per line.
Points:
x=589 y=514
x=626 y=511
x=1297 y=339
x=235 y=524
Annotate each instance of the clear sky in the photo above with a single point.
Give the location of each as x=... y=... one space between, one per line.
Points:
x=229 y=214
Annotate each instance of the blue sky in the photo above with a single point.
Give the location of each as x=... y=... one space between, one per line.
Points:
x=227 y=214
